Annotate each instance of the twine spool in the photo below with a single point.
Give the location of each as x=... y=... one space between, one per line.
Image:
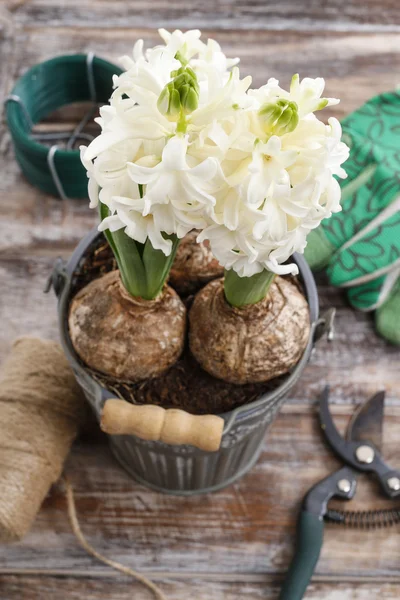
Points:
x=41 y=408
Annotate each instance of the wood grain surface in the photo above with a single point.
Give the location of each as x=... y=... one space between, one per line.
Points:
x=39 y=588
x=235 y=543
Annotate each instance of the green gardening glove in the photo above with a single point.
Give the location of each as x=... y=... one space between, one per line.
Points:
x=360 y=246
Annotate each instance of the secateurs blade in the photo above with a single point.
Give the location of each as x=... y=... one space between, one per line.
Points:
x=360 y=450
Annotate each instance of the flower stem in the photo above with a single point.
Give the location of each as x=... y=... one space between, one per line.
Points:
x=181 y=124
x=240 y=291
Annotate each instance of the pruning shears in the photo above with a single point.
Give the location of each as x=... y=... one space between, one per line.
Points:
x=360 y=450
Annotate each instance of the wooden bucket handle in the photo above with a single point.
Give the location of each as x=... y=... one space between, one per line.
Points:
x=172 y=425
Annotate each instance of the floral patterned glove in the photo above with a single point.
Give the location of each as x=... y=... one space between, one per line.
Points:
x=360 y=246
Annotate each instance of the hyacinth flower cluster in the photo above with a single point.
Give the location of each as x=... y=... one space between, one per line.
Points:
x=186 y=144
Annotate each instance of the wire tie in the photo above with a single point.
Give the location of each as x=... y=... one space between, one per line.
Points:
x=18 y=100
x=61 y=135
x=52 y=167
x=90 y=76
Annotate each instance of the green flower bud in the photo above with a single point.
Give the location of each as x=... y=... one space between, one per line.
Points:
x=279 y=117
x=180 y=96
x=169 y=102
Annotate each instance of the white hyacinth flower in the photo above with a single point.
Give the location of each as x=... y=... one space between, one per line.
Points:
x=188 y=189
x=269 y=169
x=185 y=144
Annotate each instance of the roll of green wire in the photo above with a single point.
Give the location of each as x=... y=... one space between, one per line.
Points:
x=44 y=88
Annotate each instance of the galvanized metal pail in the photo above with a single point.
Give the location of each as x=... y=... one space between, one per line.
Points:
x=186 y=470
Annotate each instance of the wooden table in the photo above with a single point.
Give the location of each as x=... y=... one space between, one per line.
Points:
x=235 y=543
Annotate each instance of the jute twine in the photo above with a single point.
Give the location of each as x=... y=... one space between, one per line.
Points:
x=41 y=409
x=93 y=552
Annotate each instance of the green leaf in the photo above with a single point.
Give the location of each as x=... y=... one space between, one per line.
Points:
x=143 y=269
x=130 y=264
x=157 y=266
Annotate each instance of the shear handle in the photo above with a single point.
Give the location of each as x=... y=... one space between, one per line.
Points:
x=310 y=530
x=310 y=535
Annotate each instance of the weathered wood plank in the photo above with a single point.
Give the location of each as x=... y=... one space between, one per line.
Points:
x=38 y=588
x=247 y=528
x=238 y=542
x=238 y=14
x=24 y=308
x=7 y=43
x=355 y=66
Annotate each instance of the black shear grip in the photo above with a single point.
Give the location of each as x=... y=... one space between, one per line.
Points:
x=347 y=450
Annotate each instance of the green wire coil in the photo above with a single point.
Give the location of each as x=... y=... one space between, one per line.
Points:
x=41 y=90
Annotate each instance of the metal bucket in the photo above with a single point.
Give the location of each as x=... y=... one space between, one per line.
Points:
x=185 y=470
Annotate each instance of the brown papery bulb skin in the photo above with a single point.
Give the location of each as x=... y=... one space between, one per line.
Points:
x=251 y=344
x=124 y=336
x=194 y=265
